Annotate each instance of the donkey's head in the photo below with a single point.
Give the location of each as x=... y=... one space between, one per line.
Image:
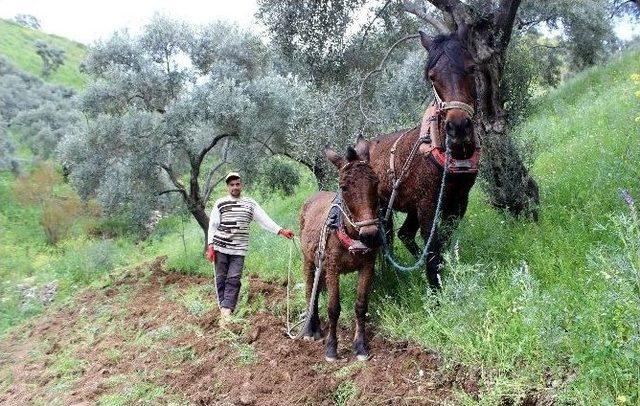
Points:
x=450 y=69
x=359 y=188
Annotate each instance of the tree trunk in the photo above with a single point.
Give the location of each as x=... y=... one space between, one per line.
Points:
x=197 y=210
x=503 y=173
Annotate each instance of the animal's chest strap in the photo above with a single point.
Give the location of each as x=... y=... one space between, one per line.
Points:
x=353 y=246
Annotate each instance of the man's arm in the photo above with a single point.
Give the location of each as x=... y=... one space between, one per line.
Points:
x=264 y=220
x=268 y=224
x=214 y=222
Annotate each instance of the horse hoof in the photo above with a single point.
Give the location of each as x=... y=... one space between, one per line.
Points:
x=363 y=357
x=330 y=359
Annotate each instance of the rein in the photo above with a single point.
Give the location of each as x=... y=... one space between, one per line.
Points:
x=442 y=156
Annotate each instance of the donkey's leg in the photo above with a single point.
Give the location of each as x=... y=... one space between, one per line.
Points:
x=365 y=278
x=407 y=233
x=312 y=325
x=333 y=290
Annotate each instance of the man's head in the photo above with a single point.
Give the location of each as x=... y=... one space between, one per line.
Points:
x=234 y=184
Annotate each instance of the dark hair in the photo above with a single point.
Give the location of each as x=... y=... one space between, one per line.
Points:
x=450 y=46
x=231 y=178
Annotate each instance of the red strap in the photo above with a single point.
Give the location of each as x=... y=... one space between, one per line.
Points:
x=457 y=165
x=344 y=238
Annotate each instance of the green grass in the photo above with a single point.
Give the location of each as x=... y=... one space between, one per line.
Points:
x=28 y=262
x=16 y=44
x=528 y=302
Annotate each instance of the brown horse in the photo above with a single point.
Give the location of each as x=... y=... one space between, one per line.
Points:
x=350 y=243
x=447 y=125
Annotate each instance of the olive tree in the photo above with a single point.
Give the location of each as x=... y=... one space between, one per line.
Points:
x=38 y=114
x=171 y=109
x=52 y=56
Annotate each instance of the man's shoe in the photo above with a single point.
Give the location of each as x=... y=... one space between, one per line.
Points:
x=225 y=316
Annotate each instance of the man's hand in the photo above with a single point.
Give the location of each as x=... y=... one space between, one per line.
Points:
x=211 y=254
x=286 y=233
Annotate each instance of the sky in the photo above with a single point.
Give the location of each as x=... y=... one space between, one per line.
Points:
x=90 y=20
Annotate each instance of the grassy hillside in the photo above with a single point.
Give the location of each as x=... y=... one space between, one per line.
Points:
x=16 y=44
x=552 y=305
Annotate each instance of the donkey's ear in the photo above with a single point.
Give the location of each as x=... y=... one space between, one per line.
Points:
x=362 y=148
x=463 y=33
x=333 y=157
x=352 y=154
x=425 y=39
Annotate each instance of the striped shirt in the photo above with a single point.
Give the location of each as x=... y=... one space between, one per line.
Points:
x=229 y=224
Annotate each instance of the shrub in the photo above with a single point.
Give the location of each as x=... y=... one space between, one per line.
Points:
x=58 y=216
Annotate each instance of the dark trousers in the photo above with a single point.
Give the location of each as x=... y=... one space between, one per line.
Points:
x=228 y=273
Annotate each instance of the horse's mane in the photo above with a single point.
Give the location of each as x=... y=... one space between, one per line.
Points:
x=450 y=46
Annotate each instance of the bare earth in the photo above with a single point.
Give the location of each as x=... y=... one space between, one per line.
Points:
x=141 y=339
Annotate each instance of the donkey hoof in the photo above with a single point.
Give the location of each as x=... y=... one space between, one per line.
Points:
x=363 y=357
x=330 y=359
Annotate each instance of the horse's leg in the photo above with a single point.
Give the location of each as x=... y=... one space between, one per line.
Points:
x=426 y=212
x=365 y=277
x=333 y=290
x=407 y=233
x=312 y=326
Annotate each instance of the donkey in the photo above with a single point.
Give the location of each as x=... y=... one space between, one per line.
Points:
x=448 y=120
x=350 y=244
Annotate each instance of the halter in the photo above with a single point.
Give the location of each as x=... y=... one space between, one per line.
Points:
x=354 y=246
x=451 y=105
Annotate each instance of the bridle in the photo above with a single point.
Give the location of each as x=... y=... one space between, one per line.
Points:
x=443 y=106
x=344 y=209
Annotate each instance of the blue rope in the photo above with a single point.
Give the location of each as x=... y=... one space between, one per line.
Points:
x=425 y=252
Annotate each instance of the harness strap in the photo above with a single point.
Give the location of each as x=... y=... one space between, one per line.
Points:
x=443 y=105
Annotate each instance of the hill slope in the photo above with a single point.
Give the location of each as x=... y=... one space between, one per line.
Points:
x=16 y=45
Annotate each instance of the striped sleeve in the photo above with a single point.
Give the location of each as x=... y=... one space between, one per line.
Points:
x=214 y=222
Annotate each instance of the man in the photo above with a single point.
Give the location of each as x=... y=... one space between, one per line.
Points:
x=228 y=240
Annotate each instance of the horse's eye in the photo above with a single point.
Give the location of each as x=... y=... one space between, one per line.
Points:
x=344 y=188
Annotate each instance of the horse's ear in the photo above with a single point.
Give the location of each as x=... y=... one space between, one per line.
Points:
x=362 y=148
x=425 y=39
x=333 y=157
x=463 y=33
x=352 y=154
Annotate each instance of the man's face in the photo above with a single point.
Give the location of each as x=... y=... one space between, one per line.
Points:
x=235 y=187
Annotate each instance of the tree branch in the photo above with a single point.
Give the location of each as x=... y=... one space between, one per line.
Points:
x=504 y=20
x=413 y=8
x=171 y=191
x=174 y=179
x=208 y=186
x=212 y=144
x=368 y=27
x=459 y=11
x=378 y=69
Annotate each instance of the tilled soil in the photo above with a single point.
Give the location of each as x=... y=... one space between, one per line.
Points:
x=153 y=337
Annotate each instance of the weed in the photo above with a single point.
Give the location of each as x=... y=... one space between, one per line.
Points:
x=346 y=392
